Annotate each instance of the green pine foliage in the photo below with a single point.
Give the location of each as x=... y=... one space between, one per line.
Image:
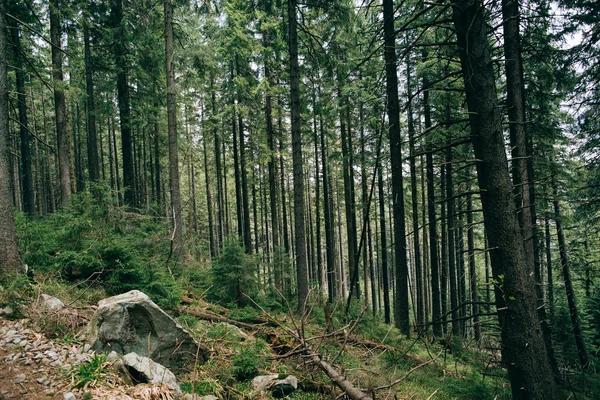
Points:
x=102 y=245
x=233 y=274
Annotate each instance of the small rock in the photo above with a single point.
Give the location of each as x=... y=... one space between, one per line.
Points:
x=69 y=396
x=112 y=356
x=87 y=347
x=148 y=370
x=8 y=310
x=20 y=378
x=51 y=303
x=17 y=340
x=262 y=382
x=284 y=387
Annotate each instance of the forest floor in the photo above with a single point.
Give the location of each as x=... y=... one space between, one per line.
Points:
x=43 y=356
x=33 y=366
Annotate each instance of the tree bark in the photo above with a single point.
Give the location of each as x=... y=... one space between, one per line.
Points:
x=523 y=349
x=26 y=173
x=431 y=215
x=172 y=134
x=299 y=225
x=420 y=293
x=123 y=100
x=384 y=256
x=60 y=107
x=10 y=260
x=92 y=144
x=566 y=268
x=401 y=305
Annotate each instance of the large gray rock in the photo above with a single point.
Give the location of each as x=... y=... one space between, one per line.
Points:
x=131 y=322
x=144 y=370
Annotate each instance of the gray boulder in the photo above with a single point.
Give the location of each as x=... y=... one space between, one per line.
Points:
x=131 y=322
x=144 y=370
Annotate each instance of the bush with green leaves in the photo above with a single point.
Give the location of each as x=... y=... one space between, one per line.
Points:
x=102 y=245
x=233 y=275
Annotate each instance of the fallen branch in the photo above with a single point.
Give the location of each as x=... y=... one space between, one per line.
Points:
x=352 y=391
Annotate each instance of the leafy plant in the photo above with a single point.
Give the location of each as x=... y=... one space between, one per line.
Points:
x=91 y=372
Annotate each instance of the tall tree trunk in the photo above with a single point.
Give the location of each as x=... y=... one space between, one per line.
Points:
x=172 y=129
x=472 y=267
x=245 y=202
x=566 y=268
x=26 y=174
x=451 y=240
x=299 y=226
x=348 y=176
x=218 y=169
x=209 y=205
x=318 y=239
x=550 y=284
x=522 y=166
x=60 y=107
x=444 y=253
x=272 y=166
x=123 y=100
x=420 y=293
x=329 y=219
x=10 y=260
x=436 y=311
x=236 y=164
x=401 y=305
x=523 y=348
x=92 y=144
x=384 y=259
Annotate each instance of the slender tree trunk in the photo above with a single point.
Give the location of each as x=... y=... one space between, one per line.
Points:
x=384 y=259
x=123 y=100
x=444 y=253
x=92 y=144
x=431 y=215
x=566 y=268
x=236 y=165
x=318 y=239
x=60 y=106
x=472 y=267
x=550 y=284
x=299 y=225
x=328 y=216
x=245 y=202
x=26 y=173
x=420 y=293
x=272 y=166
x=401 y=305
x=451 y=242
x=209 y=205
x=10 y=260
x=523 y=349
x=172 y=128
x=350 y=215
